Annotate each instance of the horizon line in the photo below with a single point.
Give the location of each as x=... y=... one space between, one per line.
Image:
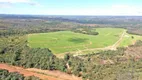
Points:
x=63 y=15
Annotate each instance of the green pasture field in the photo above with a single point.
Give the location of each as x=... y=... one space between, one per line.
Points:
x=67 y=41
x=129 y=39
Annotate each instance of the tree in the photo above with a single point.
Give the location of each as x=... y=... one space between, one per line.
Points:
x=66 y=57
x=132 y=37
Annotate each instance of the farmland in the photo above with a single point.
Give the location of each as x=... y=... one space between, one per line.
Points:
x=66 y=41
x=69 y=47
x=129 y=39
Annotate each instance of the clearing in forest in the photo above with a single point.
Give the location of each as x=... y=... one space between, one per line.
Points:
x=67 y=41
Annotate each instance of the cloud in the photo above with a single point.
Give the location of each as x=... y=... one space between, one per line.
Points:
x=15 y=1
x=7 y=3
x=125 y=9
x=112 y=10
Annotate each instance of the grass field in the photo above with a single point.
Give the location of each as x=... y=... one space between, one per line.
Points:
x=66 y=41
x=128 y=40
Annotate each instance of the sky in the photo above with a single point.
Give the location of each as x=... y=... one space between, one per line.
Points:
x=72 y=7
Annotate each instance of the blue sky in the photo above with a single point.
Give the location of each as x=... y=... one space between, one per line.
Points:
x=71 y=7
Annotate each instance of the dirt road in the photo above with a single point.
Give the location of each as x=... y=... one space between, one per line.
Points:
x=42 y=74
x=113 y=47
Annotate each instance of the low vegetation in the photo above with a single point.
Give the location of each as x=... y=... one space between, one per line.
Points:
x=6 y=75
x=86 y=31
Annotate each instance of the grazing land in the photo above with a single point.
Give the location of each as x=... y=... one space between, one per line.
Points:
x=69 y=47
x=66 y=41
x=129 y=39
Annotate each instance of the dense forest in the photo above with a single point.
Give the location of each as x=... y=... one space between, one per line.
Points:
x=121 y=64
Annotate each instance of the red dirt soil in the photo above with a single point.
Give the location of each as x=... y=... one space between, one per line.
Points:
x=48 y=75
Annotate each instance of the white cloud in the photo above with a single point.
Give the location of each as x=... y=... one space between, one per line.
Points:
x=15 y=1
x=7 y=2
x=5 y=5
x=111 y=10
x=125 y=10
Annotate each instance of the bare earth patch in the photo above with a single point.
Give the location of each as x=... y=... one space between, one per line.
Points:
x=42 y=74
x=134 y=52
